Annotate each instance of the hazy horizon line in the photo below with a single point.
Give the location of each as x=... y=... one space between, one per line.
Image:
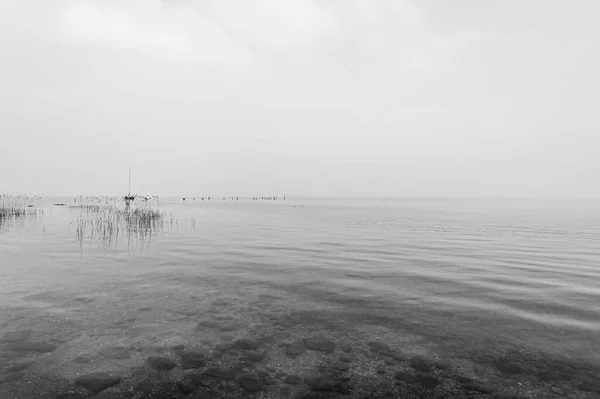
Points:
x=316 y=197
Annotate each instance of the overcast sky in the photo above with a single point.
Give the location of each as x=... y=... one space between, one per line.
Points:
x=304 y=97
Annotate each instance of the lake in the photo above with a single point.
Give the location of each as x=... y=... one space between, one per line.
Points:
x=303 y=298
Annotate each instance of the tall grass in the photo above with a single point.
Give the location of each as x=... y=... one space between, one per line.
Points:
x=14 y=210
x=115 y=224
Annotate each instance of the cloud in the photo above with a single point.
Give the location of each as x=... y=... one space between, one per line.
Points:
x=149 y=27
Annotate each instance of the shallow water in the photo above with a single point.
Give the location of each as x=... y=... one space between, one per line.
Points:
x=472 y=282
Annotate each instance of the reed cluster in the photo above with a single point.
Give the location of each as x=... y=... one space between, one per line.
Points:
x=15 y=210
x=114 y=224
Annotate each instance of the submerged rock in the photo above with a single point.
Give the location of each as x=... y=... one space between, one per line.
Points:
x=250 y=382
x=293 y=380
x=194 y=380
x=117 y=353
x=10 y=377
x=20 y=366
x=193 y=360
x=302 y=393
x=14 y=336
x=254 y=356
x=97 y=382
x=342 y=388
x=319 y=383
x=223 y=347
x=24 y=346
x=426 y=380
x=161 y=363
x=406 y=377
x=342 y=367
x=246 y=343
x=225 y=327
x=419 y=363
x=507 y=367
x=82 y=359
x=295 y=349
x=377 y=346
x=220 y=373
x=320 y=344
x=477 y=387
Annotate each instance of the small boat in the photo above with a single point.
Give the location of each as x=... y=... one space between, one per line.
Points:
x=129 y=197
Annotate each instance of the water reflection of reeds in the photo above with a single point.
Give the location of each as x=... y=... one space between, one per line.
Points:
x=113 y=225
x=15 y=212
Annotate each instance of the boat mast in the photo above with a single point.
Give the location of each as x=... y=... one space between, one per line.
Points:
x=129 y=181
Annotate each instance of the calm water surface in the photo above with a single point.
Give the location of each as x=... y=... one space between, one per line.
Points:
x=467 y=280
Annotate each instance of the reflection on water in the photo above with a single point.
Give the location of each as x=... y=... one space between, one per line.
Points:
x=270 y=300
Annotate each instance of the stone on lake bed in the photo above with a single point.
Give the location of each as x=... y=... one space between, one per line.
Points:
x=250 y=383
x=193 y=360
x=160 y=363
x=228 y=327
x=145 y=386
x=426 y=380
x=419 y=363
x=295 y=349
x=342 y=388
x=507 y=367
x=406 y=377
x=84 y=299
x=82 y=359
x=318 y=383
x=477 y=387
x=254 y=356
x=117 y=353
x=302 y=393
x=14 y=336
x=293 y=380
x=97 y=382
x=342 y=367
x=194 y=380
x=220 y=373
x=10 y=377
x=25 y=346
x=320 y=344
x=20 y=366
x=377 y=346
x=207 y=324
x=246 y=343
x=223 y=347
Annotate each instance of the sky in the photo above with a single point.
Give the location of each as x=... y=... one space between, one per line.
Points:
x=394 y=98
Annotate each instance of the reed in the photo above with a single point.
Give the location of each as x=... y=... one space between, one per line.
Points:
x=16 y=209
x=88 y=207
x=114 y=224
